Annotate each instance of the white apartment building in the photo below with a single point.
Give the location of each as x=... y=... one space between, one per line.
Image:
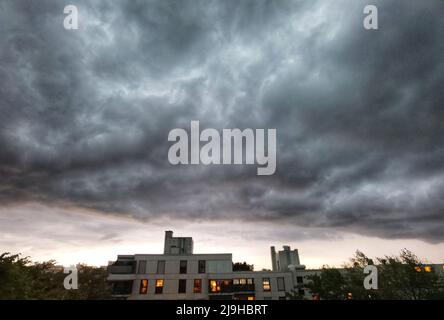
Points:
x=180 y=274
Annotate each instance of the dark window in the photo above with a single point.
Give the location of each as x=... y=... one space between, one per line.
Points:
x=183 y=266
x=161 y=266
x=281 y=284
x=142 y=267
x=299 y=279
x=282 y=298
x=197 y=286
x=301 y=292
x=201 y=266
x=266 y=284
x=159 y=286
x=143 y=286
x=182 y=286
x=122 y=287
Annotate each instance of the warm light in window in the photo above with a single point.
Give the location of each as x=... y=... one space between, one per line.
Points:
x=213 y=286
x=197 y=286
x=266 y=284
x=143 y=286
x=250 y=298
x=428 y=269
x=159 y=283
x=159 y=286
x=418 y=269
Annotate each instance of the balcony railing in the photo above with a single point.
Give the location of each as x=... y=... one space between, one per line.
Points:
x=122 y=287
x=120 y=269
x=236 y=288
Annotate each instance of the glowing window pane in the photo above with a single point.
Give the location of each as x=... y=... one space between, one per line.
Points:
x=159 y=286
x=266 y=284
x=213 y=286
x=159 y=283
x=143 y=286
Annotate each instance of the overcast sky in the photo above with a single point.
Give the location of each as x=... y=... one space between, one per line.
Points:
x=85 y=116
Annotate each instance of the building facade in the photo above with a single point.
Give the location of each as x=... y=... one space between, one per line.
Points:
x=178 y=273
x=181 y=274
x=285 y=260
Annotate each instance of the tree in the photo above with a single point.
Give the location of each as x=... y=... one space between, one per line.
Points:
x=404 y=277
x=399 y=277
x=354 y=277
x=329 y=284
x=13 y=276
x=93 y=283
x=21 y=278
x=295 y=294
x=242 y=266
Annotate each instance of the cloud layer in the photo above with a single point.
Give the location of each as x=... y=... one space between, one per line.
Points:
x=359 y=114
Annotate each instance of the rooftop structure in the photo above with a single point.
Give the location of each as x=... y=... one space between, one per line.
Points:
x=178 y=273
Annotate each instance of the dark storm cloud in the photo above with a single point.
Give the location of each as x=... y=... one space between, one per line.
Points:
x=85 y=114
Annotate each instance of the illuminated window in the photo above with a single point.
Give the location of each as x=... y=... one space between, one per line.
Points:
x=418 y=269
x=266 y=284
x=183 y=266
x=161 y=266
x=428 y=269
x=214 y=286
x=182 y=286
x=143 y=286
x=250 y=298
x=281 y=284
x=249 y=281
x=159 y=286
x=242 y=281
x=236 y=281
x=197 y=286
x=201 y=266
